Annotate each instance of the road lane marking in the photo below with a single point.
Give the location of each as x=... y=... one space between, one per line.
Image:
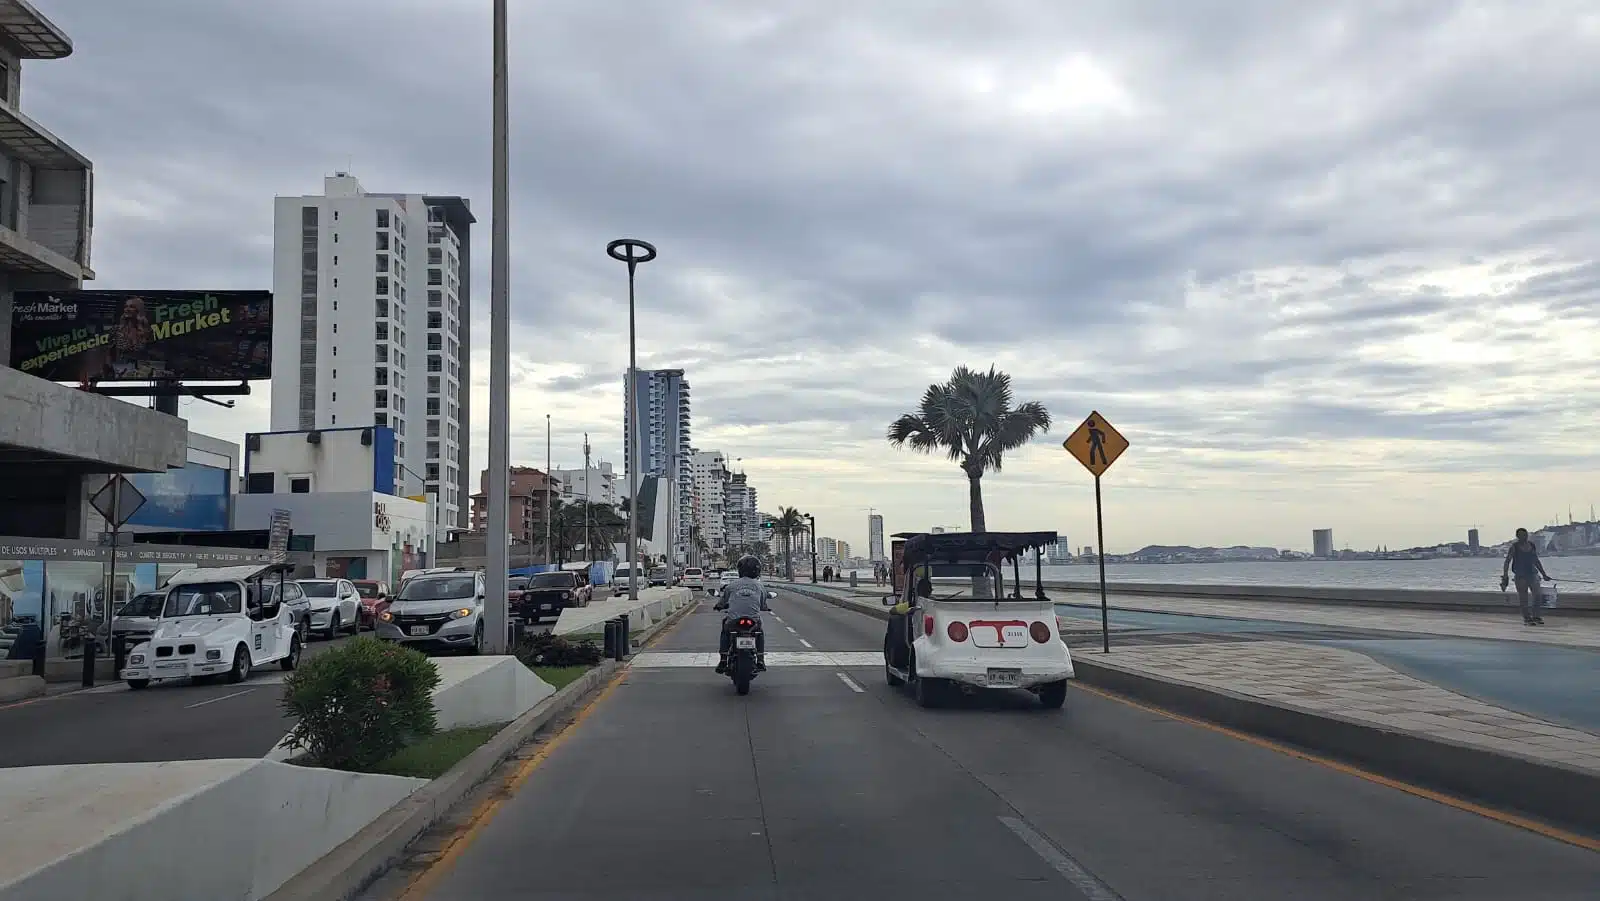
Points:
x=791 y=630
x=708 y=659
x=215 y=700
x=850 y=682
x=806 y=643
x=426 y=880
x=1499 y=816
x=1084 y=881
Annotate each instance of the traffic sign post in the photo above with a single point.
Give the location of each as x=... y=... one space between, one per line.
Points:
x=1097 y=445
x=116 y=501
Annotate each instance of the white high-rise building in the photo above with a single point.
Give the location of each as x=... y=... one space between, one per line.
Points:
x=598 y=483
x=875 y=537
x=663 y=448
x=709 y=470
x=372 y=310
x=741 y=523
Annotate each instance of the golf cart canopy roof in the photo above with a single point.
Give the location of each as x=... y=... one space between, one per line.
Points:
x=229 y=573
x=970 y=547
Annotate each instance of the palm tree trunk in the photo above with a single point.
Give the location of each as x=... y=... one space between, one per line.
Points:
x=975 y=500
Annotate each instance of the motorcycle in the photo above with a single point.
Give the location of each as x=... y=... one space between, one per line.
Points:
x=742 y=653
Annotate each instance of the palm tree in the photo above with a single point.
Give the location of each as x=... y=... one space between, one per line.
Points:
x=790 y=522
x=972 y=421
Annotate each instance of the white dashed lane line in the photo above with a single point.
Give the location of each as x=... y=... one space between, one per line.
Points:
x=850 y=682
x=806 y=643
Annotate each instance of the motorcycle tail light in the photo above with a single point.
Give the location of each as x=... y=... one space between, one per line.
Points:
x=927 y=625
x=956 y=631
x=746 y=622
x=1040 y=632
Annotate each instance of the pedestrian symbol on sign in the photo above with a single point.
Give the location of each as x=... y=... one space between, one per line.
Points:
x=1097 y=443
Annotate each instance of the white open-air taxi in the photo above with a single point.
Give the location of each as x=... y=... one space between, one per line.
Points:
x=218 y=621
x=959 y=625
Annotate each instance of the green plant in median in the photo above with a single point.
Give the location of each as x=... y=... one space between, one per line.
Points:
x=433 y=756
x=548 y=649
x=359 y=703
x=559 y=677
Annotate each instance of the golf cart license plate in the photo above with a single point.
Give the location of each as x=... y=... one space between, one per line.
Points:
x=744 y=641
x=419 y=630
x=1005 y=678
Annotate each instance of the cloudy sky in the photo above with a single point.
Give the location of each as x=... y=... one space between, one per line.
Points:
x=1324 y=264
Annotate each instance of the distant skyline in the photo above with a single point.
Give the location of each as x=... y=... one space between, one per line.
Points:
x=1323 y=269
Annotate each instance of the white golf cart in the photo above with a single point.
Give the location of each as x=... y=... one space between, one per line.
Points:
x=218 y=621
x=955 y=627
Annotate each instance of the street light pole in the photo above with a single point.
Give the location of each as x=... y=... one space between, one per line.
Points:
x=632 y=252
x=587 y=550
x=813 y=530
x=549 y=488
x=495 y=610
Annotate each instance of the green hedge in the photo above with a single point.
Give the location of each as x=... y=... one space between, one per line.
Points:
x=360 y=702
x=546 y=649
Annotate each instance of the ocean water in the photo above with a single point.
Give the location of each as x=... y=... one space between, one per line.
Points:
x=1580 y=574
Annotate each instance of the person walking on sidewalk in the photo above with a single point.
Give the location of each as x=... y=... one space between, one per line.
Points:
x=1522 y=562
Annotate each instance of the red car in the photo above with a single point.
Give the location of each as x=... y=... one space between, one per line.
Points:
x=374 y=600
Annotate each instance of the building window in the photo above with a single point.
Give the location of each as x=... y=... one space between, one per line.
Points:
x=435 y=363
x=335 y=259
x=308 y=216
x=383 y=218
x=335 y=237
x=335 y=397
x=380 y=376
x=433 y=384
x=380 y=399
x=381 y=419
x=299 y=484
x=383 y=240
x=433 y=406
x=433 y=341
x=435 y=277
x=382 y=285
x=383 y=308
x=435 y=320
x=381 y=331
x=434 y=298
x=433 y=449
x=432 y=472
x=435 y=256
x=382 y=262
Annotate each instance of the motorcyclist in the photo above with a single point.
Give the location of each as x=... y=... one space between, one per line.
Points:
x=744 y=596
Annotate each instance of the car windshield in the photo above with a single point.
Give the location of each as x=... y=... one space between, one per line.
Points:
x=658 y=571
x=554 y=580
x=517 y=583
x=320 y=589
x=367 y=589
x=691 y=571
x=145 y=604
x=959 y=581
x=438 y=588
x=204 y=599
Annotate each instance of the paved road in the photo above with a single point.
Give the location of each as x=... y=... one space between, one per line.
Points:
x=176 y=721
x=824 y=783
x=1548 y=681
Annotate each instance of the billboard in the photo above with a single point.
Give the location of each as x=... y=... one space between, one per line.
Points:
x=84 y=336
x=190 y=498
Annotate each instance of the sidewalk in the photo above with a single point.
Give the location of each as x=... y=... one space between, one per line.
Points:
x=1337 y=683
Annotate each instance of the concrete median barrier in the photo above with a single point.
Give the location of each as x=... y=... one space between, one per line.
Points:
x=653 y=606
x=181 y=829
x=482 y=691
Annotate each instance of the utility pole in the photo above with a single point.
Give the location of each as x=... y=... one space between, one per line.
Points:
x=549 y=488
x=587 y=550
x=496 y=614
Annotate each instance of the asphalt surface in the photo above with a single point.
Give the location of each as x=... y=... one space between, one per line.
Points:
x=167 y=721
x=1547 y=681
x=824 y=783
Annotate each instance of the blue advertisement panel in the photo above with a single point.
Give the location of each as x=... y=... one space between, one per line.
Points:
x=193 y=498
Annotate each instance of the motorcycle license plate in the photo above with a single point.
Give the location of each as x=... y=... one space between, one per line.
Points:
x=744 y=641
x=419 y=630
x=1005 y=678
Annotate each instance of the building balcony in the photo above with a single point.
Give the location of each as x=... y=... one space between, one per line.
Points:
x=48 y=232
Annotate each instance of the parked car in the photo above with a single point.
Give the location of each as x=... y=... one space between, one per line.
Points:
x=374 y=600
x=694 y=578
x=136 y=620
x=437 y=610
x=218 y=621
x=619 y=580
x=547 y=594
x=335 y=605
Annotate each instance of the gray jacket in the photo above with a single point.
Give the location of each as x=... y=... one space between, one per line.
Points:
x=743 y=597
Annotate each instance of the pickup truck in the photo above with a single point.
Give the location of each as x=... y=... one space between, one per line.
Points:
x=547 y=594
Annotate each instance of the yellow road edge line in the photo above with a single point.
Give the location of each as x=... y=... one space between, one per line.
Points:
x=1500 y=816
x=481 y=817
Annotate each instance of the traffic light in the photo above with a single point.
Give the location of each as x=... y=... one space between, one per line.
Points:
x=769 y=524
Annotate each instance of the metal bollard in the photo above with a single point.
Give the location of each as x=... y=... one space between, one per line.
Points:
x=610 y=649
x=625 y=640
x=89 y=643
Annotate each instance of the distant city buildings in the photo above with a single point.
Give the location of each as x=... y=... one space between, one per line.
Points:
x=662 y=447
x=598 y=483
x=1322 y=543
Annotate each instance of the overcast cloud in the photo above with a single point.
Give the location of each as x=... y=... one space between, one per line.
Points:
x=1326 y=265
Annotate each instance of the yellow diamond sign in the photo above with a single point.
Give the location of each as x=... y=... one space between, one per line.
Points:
x=1096 y=444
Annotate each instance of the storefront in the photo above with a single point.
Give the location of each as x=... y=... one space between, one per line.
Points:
x=60 y=586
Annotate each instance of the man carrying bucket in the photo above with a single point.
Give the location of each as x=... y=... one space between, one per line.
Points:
x=1522 y=561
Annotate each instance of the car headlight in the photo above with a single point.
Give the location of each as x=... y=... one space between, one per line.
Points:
x=135 y=659
x=386 y=616
x=462 y=613
x=214 y=654
x=569 y=595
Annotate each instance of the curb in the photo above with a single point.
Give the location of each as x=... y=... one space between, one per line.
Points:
x=354 y=864
x=1560 y=795
x=859 y=607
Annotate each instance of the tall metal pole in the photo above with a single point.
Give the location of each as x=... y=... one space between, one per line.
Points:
x=813 y=542
x=549 y=488
x=632 y=252
x=495 y=612
x=672 y=512
x=587 y=550
x=1100 y=550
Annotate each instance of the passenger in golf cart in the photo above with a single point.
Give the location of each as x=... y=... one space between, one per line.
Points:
x=957 y=626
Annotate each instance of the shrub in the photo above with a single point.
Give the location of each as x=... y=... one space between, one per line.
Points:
x=360 y=702
x=547 y=649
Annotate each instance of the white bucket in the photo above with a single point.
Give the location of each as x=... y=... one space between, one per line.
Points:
x=1548 y=594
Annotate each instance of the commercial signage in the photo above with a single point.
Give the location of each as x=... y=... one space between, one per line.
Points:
x=380 y=516
x=88 y=336
x=89 y=552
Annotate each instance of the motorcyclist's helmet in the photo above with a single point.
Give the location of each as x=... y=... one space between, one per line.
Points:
x=749 y=567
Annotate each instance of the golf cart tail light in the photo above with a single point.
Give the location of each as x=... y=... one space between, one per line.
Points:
x=956 y=631
x=1040 y=632
x=136 y=659
x=213 y=654
x=927 y=625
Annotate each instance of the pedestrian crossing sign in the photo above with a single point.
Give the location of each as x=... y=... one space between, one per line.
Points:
x=1096 y=444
